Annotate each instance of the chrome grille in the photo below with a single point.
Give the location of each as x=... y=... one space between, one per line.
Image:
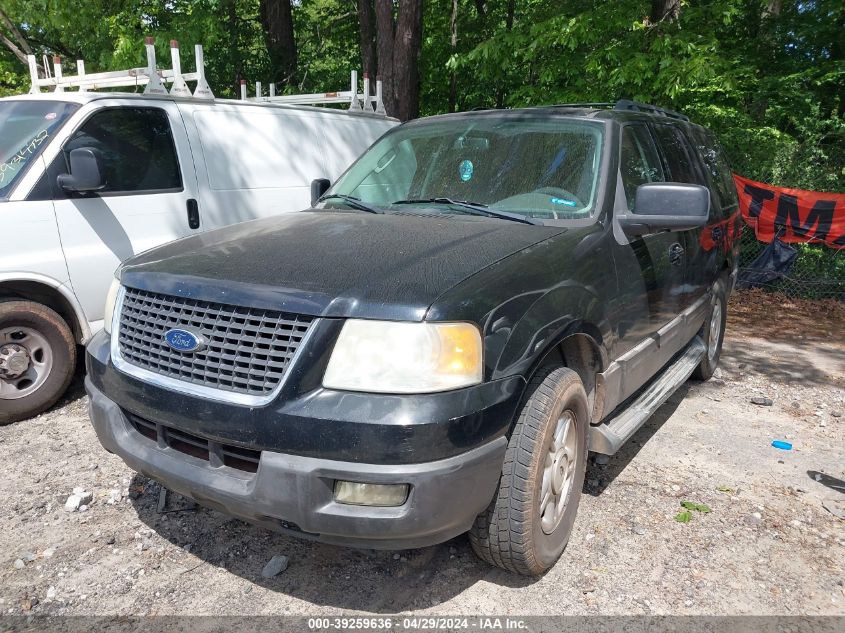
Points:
x=247 y=350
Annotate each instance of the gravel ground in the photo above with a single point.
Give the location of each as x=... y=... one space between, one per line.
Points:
x=769 y=545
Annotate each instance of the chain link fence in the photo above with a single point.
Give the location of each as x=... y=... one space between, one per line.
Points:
x=808 y=271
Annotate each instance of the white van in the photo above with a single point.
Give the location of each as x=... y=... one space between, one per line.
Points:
x=88 y=179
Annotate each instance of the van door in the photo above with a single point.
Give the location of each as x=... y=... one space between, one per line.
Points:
x=149 y=197
x=254 y=161
x=347 y=138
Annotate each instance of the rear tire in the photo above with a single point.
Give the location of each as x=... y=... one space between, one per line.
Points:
x=713 y=332
x=527 y=525
x=37 y=359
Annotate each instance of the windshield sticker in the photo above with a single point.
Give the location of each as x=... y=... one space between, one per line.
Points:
x=11 y=165
x=50 y=116
x=563 y=201
x=465 y=169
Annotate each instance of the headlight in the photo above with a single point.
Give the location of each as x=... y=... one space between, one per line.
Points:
x=392 y=357
x=111 y=298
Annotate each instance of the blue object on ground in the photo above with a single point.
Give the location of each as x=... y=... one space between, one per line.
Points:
x=785 y=446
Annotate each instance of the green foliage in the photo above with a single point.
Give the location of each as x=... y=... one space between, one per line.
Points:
x=697 y=507
x=769 y=85
x=689 y=508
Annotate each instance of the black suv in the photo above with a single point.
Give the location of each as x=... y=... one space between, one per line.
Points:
x=434 y=346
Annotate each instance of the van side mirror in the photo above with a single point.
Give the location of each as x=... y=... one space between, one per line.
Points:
x=319 y=186
x=667 y=206
x=84 y=173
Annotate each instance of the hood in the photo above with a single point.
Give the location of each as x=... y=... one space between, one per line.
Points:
x=334 y=264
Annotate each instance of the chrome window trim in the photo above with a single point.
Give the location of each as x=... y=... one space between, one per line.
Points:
x=184 y=387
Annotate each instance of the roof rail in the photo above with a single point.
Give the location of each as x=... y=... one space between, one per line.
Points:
x=625 y=104
x=150 y=77
x=364 y=102
x=595 y=104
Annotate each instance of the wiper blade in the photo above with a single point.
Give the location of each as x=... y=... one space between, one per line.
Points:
x=476 y=207
x=352 y=201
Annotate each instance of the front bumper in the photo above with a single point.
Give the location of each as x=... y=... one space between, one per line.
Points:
x=294 y=494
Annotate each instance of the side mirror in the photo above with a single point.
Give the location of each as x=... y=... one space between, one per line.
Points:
x=667 y=206
x=84 y=173
x=319 y=186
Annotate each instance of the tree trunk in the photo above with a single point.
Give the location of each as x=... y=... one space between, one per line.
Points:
x=367 y=23
x=453 y=82
x=664 y=11
x=398 y=40
x=234 y=48
x=277 y=20
x=406 y=58
x=20 y=47
x=384 y=51
x=509 y=18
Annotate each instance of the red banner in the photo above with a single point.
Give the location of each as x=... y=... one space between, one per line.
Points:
x=793 y=215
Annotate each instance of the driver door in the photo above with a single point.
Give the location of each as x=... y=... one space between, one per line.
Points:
x=651 y=269
x=150 y=189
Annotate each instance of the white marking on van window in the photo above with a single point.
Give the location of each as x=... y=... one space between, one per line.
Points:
x=12 y=164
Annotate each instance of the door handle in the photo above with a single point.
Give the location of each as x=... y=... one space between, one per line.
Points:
x=676 y=254
x=193 y=214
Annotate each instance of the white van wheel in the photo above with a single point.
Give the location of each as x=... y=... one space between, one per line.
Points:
x=37 y=359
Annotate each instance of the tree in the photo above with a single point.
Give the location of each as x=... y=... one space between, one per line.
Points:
x=277 y=20
x=19 y=47
x=398 y=41
x=367 y=39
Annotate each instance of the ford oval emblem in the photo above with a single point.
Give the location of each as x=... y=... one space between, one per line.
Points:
x=183 y=340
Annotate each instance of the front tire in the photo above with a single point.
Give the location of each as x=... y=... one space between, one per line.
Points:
x=37 y=359
x=527 y=525
x=713 y=332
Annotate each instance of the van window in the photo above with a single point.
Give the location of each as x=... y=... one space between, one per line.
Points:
x=676 y=153
x=135 y=147
x=26 y=128
x=258 y=148
x=640 y=162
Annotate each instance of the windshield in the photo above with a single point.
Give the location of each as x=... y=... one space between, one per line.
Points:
x=546 y=169
x=25 y=128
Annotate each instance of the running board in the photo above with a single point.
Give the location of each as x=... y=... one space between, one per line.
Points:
x=608 y=437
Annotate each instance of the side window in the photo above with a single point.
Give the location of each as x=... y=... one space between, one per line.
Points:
x=729 y=194
x=717 y=168
x=136 y=149
x=640 y=162
x=676 y=152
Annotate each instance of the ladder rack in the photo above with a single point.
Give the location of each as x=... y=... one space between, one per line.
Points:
x=150 y=77
x=155 y=80
x=364 y=102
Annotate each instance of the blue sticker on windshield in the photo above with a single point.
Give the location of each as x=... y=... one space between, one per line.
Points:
x=465 y=169
x=564 y=201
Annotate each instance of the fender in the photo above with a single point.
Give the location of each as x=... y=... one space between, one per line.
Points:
x=568 y=308
x=81 y=326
